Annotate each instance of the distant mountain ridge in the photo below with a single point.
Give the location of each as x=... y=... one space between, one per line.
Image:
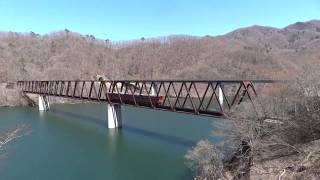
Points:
x=251 y=52
x=310 y=25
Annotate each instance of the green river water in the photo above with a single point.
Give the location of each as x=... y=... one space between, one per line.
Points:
x=73 y=142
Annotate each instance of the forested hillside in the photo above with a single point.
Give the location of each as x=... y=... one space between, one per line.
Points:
x=247 y=53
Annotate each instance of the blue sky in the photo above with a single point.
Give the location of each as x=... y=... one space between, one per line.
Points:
x=125 y=20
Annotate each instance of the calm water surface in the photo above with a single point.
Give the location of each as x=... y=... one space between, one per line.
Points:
x=73 y=142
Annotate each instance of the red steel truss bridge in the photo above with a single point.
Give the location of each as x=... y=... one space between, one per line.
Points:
x=212 y=98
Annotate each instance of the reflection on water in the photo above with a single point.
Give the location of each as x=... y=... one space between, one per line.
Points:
x=114 y=138
x=73 y=142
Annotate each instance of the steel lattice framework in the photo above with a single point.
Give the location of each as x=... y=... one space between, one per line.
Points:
x=197 y=97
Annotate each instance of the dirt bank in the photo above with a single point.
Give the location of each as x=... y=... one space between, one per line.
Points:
x=303 y=164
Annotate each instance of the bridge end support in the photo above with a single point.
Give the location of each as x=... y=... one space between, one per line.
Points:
x=114 y=116
x=44 y=104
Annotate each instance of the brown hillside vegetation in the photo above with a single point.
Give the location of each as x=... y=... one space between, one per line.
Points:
x=277 y=138
x=253 y=52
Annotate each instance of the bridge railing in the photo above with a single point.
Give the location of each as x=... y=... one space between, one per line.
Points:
x=198 y=97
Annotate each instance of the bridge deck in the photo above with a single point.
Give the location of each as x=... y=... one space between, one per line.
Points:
x=197 y=97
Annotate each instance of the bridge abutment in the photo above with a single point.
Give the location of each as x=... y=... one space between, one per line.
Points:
x=44 y=104
x=114 y=116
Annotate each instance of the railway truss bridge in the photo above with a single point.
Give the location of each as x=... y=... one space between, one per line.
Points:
x=207 y=97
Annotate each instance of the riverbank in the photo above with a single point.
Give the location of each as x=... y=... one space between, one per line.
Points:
x=10 y=95
x=303 y=163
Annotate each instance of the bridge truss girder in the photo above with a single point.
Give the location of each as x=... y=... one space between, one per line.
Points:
x=196 y=97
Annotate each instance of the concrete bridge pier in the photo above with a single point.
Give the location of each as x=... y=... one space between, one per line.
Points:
x=220 y=95
x=154 y=90
x=44 y=104
x=114 y=116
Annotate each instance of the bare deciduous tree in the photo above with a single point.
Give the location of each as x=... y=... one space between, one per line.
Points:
x=205 y=160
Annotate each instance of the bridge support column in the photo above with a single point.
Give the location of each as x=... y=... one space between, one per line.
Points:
x=44 y=104
x=114 y=116
x=153 y=90
x=220 y=95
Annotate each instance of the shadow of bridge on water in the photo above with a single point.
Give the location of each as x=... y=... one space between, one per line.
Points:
x=129 y=128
